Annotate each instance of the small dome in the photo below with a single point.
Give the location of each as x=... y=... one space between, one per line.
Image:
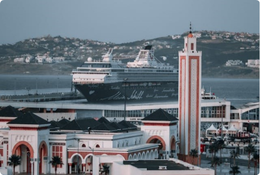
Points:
x=164 y=58
x=89 y=59
x=190 y=35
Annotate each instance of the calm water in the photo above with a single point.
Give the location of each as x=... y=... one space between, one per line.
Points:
x=238 y=91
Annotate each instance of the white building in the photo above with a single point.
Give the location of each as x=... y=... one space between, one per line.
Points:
x=234 y=63
x=253 y=63
x=85 y=144
x=19 y=60
x=28 y=58
x=40 y=59
x=58 y=59
x=48 y=60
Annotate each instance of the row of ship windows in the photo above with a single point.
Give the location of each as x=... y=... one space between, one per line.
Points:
x=136 y=113
x=97 y=65
x=85 y=79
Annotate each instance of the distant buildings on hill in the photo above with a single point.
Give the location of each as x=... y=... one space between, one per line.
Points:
x=39 y=59
x=250 y=63
x=253 y=63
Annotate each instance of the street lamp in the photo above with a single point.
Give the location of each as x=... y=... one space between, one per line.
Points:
x=36 y=86
x=57 y=85
x=92 y=150
x=77 y=169
x=14 y=86
x=221 y=129
x=125 y=79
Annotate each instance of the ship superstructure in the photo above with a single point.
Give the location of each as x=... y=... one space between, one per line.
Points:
x=144 y=79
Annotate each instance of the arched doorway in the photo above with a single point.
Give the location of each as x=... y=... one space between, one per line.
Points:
x=24 y=150
x=158 y=140
x=173 y=146
x=43 y=152
x=76 y=164
x=89 y=164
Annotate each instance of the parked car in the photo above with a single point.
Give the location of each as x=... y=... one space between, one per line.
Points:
x=213 y=139
x=204 y=139
x=255 y=141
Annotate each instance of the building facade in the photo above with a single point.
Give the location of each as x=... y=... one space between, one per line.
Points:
x=84 y=145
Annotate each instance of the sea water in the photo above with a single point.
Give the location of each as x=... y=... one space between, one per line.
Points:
x=238 y=91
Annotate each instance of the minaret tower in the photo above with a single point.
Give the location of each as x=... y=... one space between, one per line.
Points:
x=189 y=98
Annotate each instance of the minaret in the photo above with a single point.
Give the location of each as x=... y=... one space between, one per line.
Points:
x=189 y=98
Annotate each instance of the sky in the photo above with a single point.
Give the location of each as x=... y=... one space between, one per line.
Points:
x=121 y=21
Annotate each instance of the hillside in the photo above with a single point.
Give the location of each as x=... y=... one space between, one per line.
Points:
x=216 y=47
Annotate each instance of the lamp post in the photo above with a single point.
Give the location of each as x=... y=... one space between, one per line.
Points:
x=14 y=86
x=125 y=99
x=78 y=159
x=92 y=150
x=58 y=85
x=221 y=122
x=221 y=114
x=36 y=86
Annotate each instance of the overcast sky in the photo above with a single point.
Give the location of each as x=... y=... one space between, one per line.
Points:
x=123 y=21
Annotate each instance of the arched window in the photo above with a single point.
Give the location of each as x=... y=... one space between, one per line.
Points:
x=97 y=146
x=192 y=46
x=83 y=145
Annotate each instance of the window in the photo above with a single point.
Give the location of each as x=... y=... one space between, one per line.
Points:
x=192 y=46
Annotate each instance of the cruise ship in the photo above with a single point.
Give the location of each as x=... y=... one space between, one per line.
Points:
x=144 y=79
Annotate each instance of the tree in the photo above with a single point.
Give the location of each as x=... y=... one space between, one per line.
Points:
x=250 y=149
x=220 y=144
x=105 y=169
x=56 y=160
x=193 y=153
x=256 y=162
x=234 y=154
x=14 y=160
x=215 y=162
x=234 y=170
x=213 y=149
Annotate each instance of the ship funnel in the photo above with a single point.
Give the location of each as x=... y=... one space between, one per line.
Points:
x=108 y=56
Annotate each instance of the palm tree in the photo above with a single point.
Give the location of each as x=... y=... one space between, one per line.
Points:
x=14 y=160
x=256 y=161
x=220 y=144
x=215 y=162
x=213 y=149
x=234 y=154
x=56 y=160
x=234 y=170
x=193 y=153
x=250 y=149
x=105 y=169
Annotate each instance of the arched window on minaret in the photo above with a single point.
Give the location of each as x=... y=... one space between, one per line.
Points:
x=192 y=46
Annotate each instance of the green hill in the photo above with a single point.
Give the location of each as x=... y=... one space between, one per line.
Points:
x=217 y=48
